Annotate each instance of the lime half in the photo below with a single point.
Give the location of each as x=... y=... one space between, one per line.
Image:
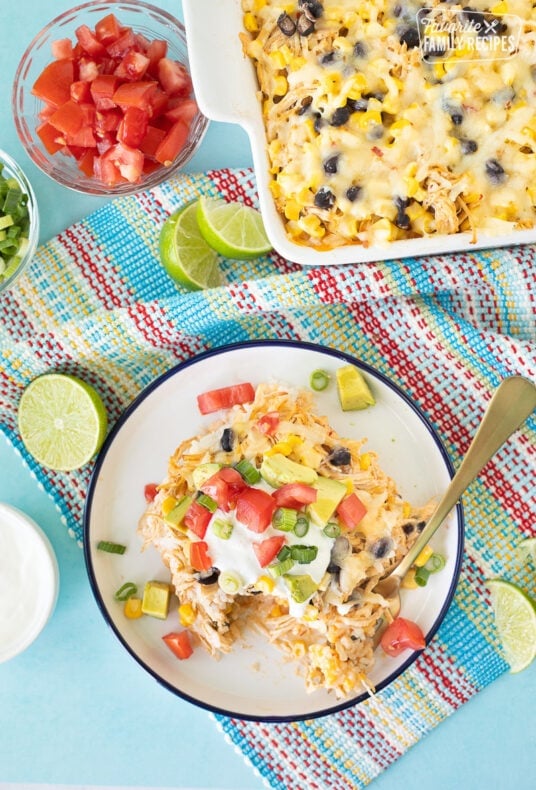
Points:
x=526 y=550
x=185 y=255
x=62 y=421
x=232 y=229
x=515 y=618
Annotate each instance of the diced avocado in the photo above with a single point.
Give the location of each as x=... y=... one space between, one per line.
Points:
x=330 y=493
x=177 y=513
x=155 y=601
x=301 y=586
x=354 y=392
x=278 y=470
x=202 y=473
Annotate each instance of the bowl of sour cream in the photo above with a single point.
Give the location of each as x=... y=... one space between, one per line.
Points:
x=29 y=581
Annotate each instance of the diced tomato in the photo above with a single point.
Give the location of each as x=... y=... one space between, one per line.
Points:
x=199 y=557
x=149 y=166
x=89 y=42
x=108 y=29
x=121 y=45
x=83 y=138
x=80 y=91
x=129 y=161
x=179 y=644
x=54 y=83
x=107 y=120
x=268 y=423
x=172 y=144
x=152 y=139
x=158 y=103
x=197 y=519
x=86 y=162
x=294 y=495
x=105 y=170
x=103 y=89
x=268 y=549
x=351 y=510
x=401 y=635
x=105 y=142
x=133 y=66
x=46 y=111
x=133 y=127
x=255 y=508
x=185 y=110
x=62 y=48
x=174 y=78
x=156 y=50
x=135 y=94
x=49 y=137
x=150 y=491
x=68 y=118
x=225 y=397
x=224 y=487
x=87 y=69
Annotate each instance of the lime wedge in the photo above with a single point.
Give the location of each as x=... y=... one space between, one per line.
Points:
x=515 y=619
x=526 y=550
x=232 y=229
x=62 y=421
x=185 y=255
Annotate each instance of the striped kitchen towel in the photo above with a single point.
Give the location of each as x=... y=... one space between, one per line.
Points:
x=95 y=302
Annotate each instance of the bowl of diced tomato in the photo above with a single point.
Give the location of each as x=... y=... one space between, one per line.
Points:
x=103 y=101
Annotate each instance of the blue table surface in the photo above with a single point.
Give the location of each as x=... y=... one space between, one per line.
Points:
x=76 y=709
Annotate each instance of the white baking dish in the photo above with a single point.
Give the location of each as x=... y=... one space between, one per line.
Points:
x=225 y=86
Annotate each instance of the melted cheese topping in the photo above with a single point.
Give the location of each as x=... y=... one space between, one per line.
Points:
x=370 y=142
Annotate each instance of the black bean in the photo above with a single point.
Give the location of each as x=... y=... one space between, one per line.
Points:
x=207 y=577
x=312 y=8
x=329 y=57
x=495 y=171
x=340 y=116
x=286 y=24
x=324 y=198
x=359 y=50
x=357 y=105
x=353 y=192
x=468 y=146
x=408 y=528
x=305 y=104
x=340 y=456
x=401 y=202
x=456 y=118
x=421 y=525
x=402 y=221
x=305 y=26
x=227 y=440
x=318 y=122
x=331 y=164
x=397 y=10
x=483 y=24
x=381 y=547
x=410 y=37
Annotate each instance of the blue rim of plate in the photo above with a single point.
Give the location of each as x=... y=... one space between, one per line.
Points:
x=305 y=346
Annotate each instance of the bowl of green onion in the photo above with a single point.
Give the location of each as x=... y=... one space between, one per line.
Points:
x=19 y=221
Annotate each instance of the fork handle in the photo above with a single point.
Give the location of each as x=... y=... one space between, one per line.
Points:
x=513 y=401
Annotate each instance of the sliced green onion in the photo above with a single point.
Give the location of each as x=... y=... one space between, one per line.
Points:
x=230 y=582
x=177 y=513
x=208 y=502
x=332 y=529
x=110 y=547
x=283 y=553
x=222 y=529
x=421 y=576
x=280 y=568
x=284 y=519
x=126 y=591
x=436 y=563
x=301 y=527
x=303 y=554
x=248 y=471
x=14 y=225
x=319 y=380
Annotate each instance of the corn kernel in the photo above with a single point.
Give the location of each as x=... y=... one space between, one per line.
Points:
x=280 y=85
x=364 y=461
x=292 y=210
x=408 y=582
x=297 y=63
x=406 y=510
x=312 y=225
x=186 y=614
x=400 y=124
x=132 y=608
x=299 y=649
x=358 y=84
x=250 y=23
x=168 y=504
x=311 y=613
x=370 y=117
x=275 y=611
x=424 y=556
x=278 y=59
x=265 y=584
x=258 y=4
x=349 y=486
x=275 y=188
x=284 y=448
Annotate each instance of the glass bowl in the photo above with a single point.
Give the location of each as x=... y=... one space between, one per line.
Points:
x=144 y=19
x=12 y=269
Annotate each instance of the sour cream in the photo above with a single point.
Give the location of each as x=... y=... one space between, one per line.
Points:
x=28 y=581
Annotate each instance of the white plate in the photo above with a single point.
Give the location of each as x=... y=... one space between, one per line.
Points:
x=254 y=681
x=226 y=88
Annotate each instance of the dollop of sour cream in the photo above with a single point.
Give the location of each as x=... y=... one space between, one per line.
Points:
x=28 y=581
